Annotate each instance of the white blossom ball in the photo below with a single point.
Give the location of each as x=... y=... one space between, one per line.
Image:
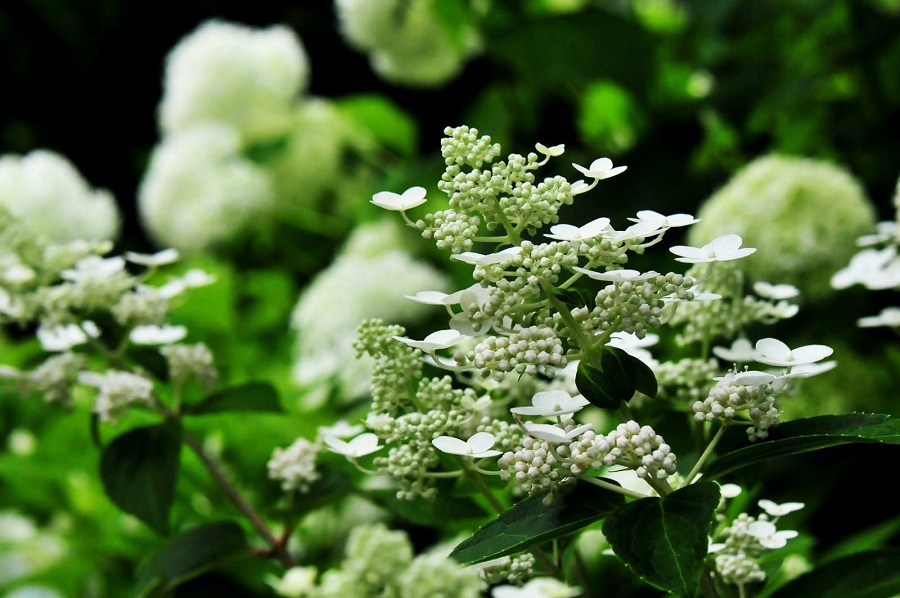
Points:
x=369 y=282
x=232 y=73
x=409 y=43
x=802 y=215
x=46 y=192
x=199 y=192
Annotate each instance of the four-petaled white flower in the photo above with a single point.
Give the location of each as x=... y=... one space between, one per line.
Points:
x=741 y=351
x=340 y=429
x=671 y=221
x=775 y=291
x=398 y=202
x=601 y=168
x=65 y=336
x=749 y=378
x=777 y=510
x=362 y=445
x=554 y=150
x=430 y=298
x=479 y=259
x=772 y=351
x=622 y=275
x=440 y=339
x=567 y=232
x=554 y=433
x=93 y=267
x=477 y=446
x=553 y=403
x=889 y=316
x=720 y=249
x=157 y=335
x=160 y=258
x=769 y=536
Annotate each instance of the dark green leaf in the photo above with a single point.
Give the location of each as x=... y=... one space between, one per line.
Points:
x=644 y=378
x=577 y=297
x=139 y=469
x=420 y=511
x=194 y=552
x=328 y=489
x=665 y=540
x=530 y=522
x=619 y=372
x=151 y=360
x=385 y=121
x=871 y=574
x=810 y=434
x=591 y=383
x=250 y=396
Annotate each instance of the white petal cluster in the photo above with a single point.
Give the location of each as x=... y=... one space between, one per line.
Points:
x=46 y=192
x=295 y=466
x=409 y=42
x=118 y=390
x=199 y=191
x=231 y=73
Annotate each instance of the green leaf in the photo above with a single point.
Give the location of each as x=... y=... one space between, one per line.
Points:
x=629 y=372
x=810 y=434
x=387 y=123
x=250 y=396
x=870 y=574
x=530 y=522
x=591 y=383
x=194 y=552
x=665 y=540
x=139 y=469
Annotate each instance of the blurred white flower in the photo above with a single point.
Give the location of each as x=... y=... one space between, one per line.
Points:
x=118 y=390
x=740 y=351
x=769 y=536
x=160 y=258
x=233 y=74
x=65 y=336
x=889 y=316
x=768 y=290
x=46 y=192
x=157 y=335
x=198 y=191
x=538 y=587
x=297 y=582
x=777 y=510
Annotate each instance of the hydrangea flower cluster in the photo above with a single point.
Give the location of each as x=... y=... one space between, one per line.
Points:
x=876 y=267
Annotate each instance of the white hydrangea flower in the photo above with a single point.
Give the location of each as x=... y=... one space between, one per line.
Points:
x=65 y=336
x=889 y=316
x=553 y=403
x=601 y=168
x=567 y=232
x=297 y=582
x=769 y=536
x=199 y=191
x=740 y=351
x=777 y=510
x=478 y=259
x=478 y=446
x=360 y=446
x=118 y=390
x=539 y=587
x=157 y=335
x=231 y=73
x=440 y=339
x=160 y=258
x=408 y=42
x=295 y=466
x=370 y=276
x=720 y=249
x=46 y=192
x=776 y=292
x=407 y=200
x=661 y=221
x=772 y=351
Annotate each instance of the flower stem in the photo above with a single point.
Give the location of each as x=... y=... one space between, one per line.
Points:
x=706 y=453
x=277 y=546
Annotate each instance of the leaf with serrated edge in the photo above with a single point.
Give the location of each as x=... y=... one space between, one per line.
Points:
x=529 y=522
x=665 y=540
x=810 y=434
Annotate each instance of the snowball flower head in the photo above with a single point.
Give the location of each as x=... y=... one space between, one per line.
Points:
x=772 y=351
x=199 y=192
x=553 y=403
x=46 y=192
x=804 y=216
x=720 y=249
x=233 y=74
x=477 y=446
x=409 y=42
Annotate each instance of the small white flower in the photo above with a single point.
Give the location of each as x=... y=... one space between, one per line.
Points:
x=429 y=297
x=748 y=378
x=567 y=232
x=362 y=445
x=93 y=267
x=297 y=582
x=160 y=258
x=731 y=490
x=639 y=230
x=65 y=336
x=440 y=339
x=768 y=536
x=889 y=316
x=412 y=197
x=554 y=433
x=538 y=587
x=741 y=351
x=555 y=150
x=868 y=268
x=623 y=275
x=118 y=389
x=477 y=446
x=579 y=186
x=775 y=291
x=553 y=403
x=157 y=335
x=191 y=279
x=671 y=221
x=772 y=351
x=808 y=370
x=479 y=404
x=340 y=429
x=479 y=259
x=601 y=168
x=720 y=249
x=777 y=510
